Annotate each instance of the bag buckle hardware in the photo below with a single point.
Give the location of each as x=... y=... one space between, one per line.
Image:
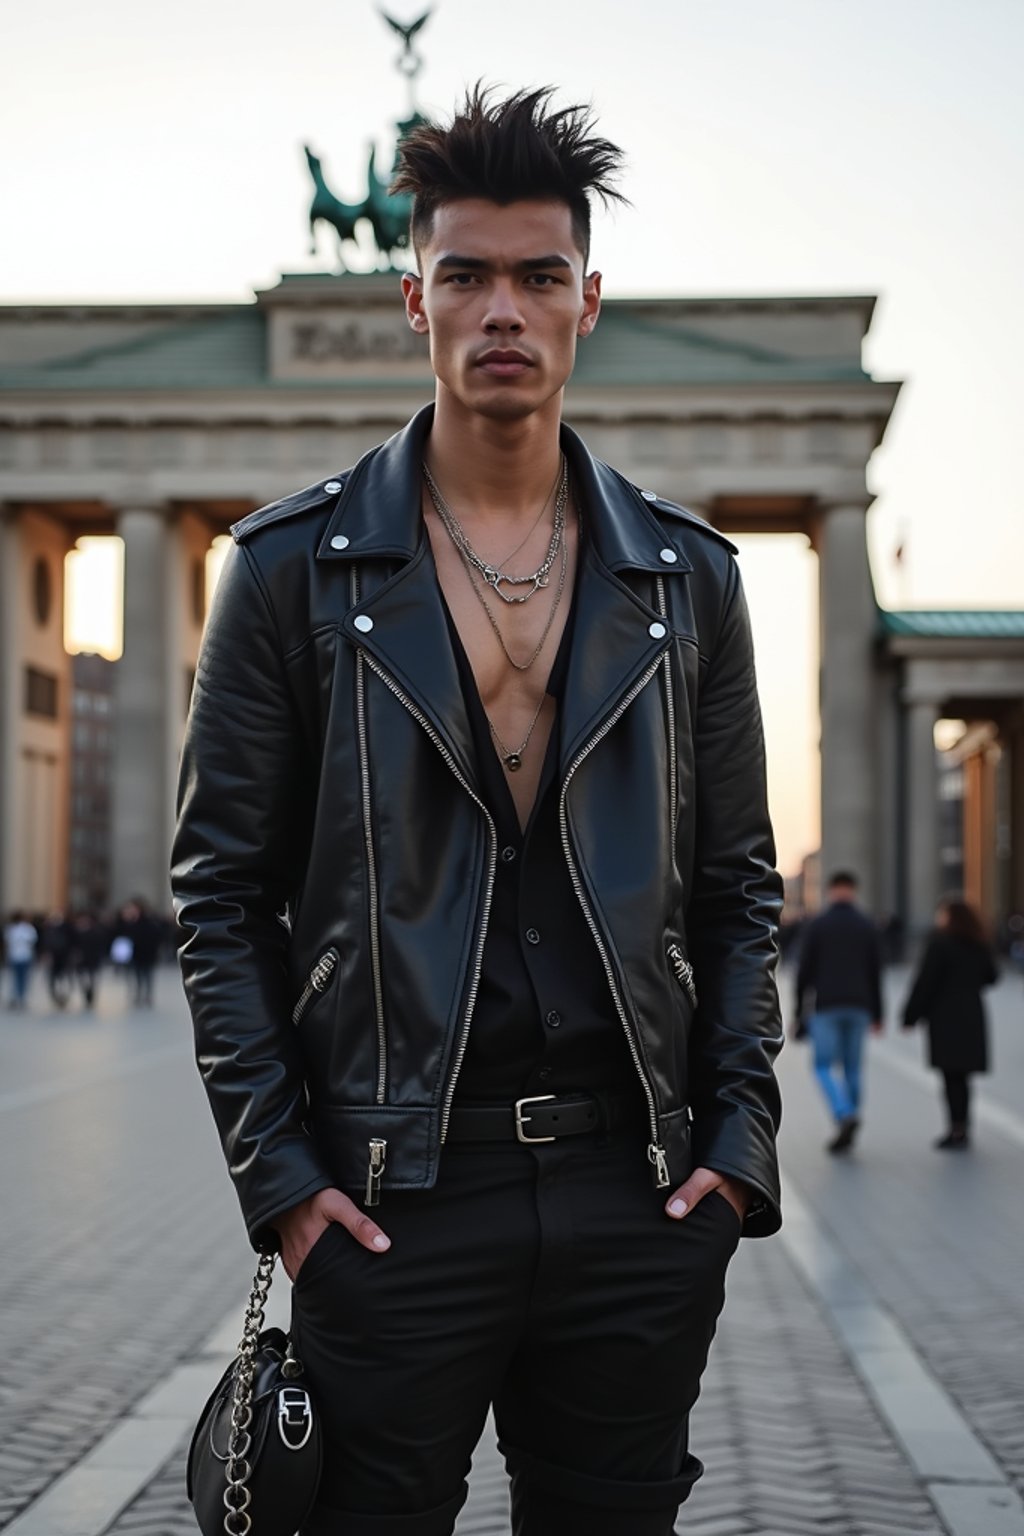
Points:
x=294 y=1417
x=522 y=1120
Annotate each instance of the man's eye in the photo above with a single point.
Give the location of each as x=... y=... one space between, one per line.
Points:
x=461 y=279
x=542 y=279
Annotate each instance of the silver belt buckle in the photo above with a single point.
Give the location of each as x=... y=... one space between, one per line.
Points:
x=521 y=1119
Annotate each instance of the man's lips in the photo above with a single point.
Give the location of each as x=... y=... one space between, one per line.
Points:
x=504 y=364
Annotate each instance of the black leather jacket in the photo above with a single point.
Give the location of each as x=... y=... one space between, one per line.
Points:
x=333 y=862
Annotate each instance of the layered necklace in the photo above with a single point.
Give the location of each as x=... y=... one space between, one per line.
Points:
x=484 y=574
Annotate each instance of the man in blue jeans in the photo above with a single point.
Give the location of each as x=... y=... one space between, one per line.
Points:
x=840 y=962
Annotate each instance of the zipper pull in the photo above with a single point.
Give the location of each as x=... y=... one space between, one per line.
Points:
x=658 y=1159
x=375 y=1171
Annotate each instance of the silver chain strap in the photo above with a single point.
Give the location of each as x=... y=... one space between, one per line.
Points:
x=237 y=1495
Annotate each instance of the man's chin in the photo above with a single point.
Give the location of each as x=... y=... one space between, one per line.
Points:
x=506 y=401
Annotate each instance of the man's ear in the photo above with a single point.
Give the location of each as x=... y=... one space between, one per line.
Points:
x=591 y=304
x=412 y=292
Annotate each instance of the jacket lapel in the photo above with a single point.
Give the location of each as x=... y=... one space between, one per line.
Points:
x=618 y=634
x=410 y=639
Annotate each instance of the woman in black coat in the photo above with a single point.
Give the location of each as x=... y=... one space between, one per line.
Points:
x=946 y=992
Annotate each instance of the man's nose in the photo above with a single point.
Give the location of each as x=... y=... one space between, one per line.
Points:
x=504 y=312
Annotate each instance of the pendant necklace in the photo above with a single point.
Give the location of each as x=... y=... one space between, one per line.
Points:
x=513 y=760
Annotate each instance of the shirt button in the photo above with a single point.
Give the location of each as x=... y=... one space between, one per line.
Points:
x=340 y=541
x=332 y=487
x=532 y=936
x=649 y=495
x=507 y=855
x=363 y=623
x=657 y=631
x=554 y=1018
x=668 y=556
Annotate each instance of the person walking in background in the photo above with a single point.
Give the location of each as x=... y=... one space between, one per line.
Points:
x=20 y=940
x=88 y=947
x=946 y=993
x=141 y=928
x=841 y=963
x=56 y=945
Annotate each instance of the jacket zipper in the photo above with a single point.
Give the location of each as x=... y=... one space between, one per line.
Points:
x=684 y=971
x=655 y=1152
x=375 y=1169
x=318 y=981
x=371 y=865
x=670 y=716
x=492 y=864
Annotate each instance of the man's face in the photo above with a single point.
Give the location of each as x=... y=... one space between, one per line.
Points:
x=503 y=297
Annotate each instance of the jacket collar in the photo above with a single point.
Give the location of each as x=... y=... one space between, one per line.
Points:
x=378 y=514
x=401 y=624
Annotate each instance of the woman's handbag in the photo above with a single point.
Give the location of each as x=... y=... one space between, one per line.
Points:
x=254 y=1461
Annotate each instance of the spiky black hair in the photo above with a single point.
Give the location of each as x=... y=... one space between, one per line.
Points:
x=508 y=151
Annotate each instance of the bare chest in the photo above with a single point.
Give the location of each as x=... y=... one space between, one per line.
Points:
x=511 y=648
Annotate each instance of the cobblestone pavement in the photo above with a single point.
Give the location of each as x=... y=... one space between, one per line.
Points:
x=129 y=1251
x=939 y=1236
x=122 y=1249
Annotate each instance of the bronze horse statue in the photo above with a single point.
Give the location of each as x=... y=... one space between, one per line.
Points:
x=387 y=216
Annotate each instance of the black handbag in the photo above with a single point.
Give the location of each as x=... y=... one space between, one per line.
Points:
x=255 y=1457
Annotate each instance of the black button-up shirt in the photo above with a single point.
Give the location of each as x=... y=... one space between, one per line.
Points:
x=544 y=1020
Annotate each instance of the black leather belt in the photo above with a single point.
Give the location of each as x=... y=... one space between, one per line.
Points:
x=542 y=1117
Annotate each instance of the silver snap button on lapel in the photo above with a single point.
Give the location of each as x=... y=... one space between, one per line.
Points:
x=669 y=556
x=332 y=487
x=339 y=541
x=363 y=623
x=656 y=631
x=649 y=495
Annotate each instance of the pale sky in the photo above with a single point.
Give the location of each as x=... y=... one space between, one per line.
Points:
x=775 y=146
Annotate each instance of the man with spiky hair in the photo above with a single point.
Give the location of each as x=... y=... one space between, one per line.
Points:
x=476 y=888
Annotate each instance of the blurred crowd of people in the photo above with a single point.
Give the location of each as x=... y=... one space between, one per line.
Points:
x=72 y=949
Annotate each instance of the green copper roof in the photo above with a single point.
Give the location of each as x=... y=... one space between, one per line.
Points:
x=956 y=624
x=227 y=350
x=222 y=351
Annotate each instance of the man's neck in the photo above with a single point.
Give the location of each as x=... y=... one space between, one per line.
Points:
x=493 y=471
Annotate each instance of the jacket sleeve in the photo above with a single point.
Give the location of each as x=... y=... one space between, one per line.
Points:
x=732 y=922
x=236 y=862
x=926 y=984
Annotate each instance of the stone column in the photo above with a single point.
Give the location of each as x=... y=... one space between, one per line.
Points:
x=921 y=813
x=139 y=854
x=848 y=623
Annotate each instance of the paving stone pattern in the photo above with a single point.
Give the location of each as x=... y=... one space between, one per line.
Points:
x=123 y=1243
x=938 y=1236
x=792 y=1444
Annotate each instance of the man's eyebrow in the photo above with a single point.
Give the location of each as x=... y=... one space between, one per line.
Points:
x=479 y=264
x=476 y=263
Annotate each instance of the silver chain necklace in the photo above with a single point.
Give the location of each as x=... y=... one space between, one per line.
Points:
x=474 y=581
x=493 y=575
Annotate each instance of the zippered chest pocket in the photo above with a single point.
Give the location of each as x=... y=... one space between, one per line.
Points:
x=684 y=972
x=318 y=982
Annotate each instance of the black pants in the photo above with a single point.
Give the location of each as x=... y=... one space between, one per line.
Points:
x=958 y=1089
x=546 y=1281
